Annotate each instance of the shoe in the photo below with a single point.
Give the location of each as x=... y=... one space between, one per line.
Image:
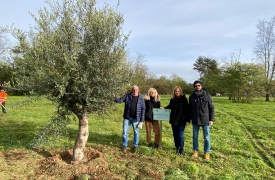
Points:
x=156 y=145
x=206 y=156
x=134 y=149
x=177 y=150
x=195 y=154
x=150 y=145
x=124 y=149
x=181 y=152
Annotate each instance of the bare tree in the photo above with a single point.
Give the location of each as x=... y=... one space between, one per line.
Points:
x=4 y=44
x=265 y=50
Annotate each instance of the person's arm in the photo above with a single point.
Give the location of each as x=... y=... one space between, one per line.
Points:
x=189 y=112
x=120 y=100
x=143 y=108
x=186 y=109
x=169 y=105
x=158 y=104
x=211 y=110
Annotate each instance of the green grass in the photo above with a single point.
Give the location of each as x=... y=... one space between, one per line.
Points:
x=242 y=143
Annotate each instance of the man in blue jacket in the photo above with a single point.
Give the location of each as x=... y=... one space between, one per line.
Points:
x=202 y=115
x=134 y=112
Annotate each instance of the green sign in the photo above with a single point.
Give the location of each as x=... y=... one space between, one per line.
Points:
x=161 y=114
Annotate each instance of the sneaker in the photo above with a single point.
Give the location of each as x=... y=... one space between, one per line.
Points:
x=150 y=145
x=206 y=156
x=156 y=145
x=195 y=154
x=124 y=149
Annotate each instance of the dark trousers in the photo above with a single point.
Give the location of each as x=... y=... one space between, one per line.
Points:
x=178 y=133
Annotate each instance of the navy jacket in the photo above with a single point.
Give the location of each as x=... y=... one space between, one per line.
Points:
x=127 y=99
x=202 y=108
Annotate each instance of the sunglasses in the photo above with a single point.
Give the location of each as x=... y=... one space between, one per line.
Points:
x=197 y=85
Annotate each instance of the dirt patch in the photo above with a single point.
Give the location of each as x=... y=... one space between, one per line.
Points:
x=93 y=165
x=104 y=162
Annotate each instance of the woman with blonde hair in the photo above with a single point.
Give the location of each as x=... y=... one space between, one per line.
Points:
x=178 y=117
x=152 y=100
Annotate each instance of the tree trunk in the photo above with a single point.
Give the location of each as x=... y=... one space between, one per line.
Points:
x=267 y=97
x=82 y=137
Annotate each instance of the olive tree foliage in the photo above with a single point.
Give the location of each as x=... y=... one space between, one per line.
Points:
x=265 y=50
x=76 y=56
x=242 y=81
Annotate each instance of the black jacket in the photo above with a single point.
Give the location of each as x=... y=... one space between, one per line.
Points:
x=202 y=108
x=180 y=113
x=150 y=104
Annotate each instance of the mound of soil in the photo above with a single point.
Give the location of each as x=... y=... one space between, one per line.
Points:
x=92 y=166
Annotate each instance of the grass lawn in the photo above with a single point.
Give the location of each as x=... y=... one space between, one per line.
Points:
x=242 y=146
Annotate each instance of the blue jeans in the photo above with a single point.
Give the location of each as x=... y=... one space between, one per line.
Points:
x=178 y=135
x=206 y=137
x=126 y=126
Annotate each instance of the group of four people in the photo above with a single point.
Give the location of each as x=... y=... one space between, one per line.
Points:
x=199 y=111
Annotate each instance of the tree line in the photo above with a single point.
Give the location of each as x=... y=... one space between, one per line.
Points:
x=76 y=55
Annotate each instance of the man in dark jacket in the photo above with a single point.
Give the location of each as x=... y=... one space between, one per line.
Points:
x=202 y=115
x=134 y=112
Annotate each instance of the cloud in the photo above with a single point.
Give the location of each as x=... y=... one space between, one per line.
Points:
x=171 y=34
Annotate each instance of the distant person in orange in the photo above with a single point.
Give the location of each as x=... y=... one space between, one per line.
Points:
x=3 y=97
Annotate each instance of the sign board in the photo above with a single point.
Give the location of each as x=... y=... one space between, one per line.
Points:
x=161 y=114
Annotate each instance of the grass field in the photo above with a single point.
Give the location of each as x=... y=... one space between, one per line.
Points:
x=242 y=146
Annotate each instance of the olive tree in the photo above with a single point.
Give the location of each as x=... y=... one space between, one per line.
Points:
x=76 y=55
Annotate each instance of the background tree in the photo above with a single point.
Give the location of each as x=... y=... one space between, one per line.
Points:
x=139 y=72
x=265 y=50
x=76 y=56
x=242 y=81
x=163 y=85
x=6 y=72
x=4 y=44
x=6 y=66
x=208 y=71
x=178 y=81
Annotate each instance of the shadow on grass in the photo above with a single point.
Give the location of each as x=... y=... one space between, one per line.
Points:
x=16 y=134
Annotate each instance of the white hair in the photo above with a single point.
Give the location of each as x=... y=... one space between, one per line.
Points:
x=134 y=86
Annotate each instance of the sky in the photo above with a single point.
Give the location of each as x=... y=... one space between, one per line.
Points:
x=172 y=34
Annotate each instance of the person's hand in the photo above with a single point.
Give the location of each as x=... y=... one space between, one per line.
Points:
x=161 y=107
x=210 y=123
x=140 y=125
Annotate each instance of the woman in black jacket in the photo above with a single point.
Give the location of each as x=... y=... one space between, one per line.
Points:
x=152 y=100
x=178 y=117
